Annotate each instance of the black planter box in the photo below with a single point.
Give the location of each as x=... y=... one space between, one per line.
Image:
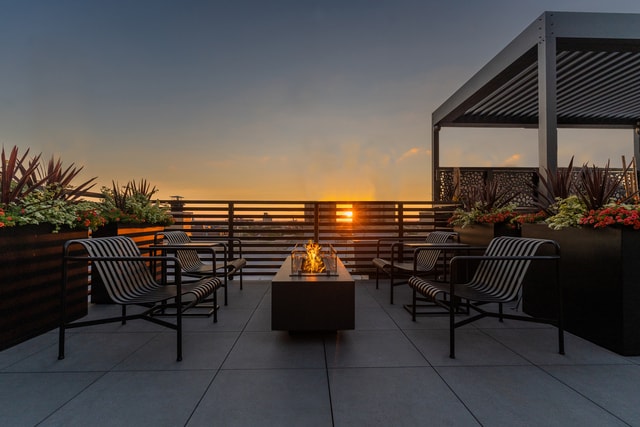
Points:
x=482 y=234
x=600 y=281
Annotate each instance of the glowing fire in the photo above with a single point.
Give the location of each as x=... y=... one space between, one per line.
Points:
x=313 y=263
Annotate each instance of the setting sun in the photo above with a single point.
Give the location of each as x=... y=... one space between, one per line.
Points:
x=344 y=213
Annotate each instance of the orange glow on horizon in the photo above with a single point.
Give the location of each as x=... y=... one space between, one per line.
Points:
x=344 y=213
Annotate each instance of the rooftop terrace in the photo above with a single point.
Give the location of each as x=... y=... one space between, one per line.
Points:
x=388 y=371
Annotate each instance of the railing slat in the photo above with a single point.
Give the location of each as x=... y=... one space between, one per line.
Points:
x=270 y=229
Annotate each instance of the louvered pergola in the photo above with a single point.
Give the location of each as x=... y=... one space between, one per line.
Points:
x=566 y=69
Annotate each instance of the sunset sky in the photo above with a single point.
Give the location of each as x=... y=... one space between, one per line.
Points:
x=266 y=99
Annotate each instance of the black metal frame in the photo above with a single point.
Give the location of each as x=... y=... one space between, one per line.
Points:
x=150 y=314
x=397 y=256
x=208 y=245
x=451 y=304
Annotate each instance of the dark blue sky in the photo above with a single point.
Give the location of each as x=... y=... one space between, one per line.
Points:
x=262 y=99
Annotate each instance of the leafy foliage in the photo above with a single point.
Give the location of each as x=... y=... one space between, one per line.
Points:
x=33 y=194
x=487 y=203
x=589 y=200
x=132 y=204
x=477 y=215
x=569 y=212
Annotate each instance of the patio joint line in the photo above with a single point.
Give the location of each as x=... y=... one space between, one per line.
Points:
x=206 y=390
x=582 y=395
x=326 y=371
x=99 y=377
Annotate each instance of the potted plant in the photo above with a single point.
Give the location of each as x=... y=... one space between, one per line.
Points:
x=39 y=210
x=133 y=204
x=597 y=230
x=130 y=211
x=486 y=212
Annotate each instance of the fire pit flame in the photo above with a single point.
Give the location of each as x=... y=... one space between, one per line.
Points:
x=313 y=263
x=312 y=259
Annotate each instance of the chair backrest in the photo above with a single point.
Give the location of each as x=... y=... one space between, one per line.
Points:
x=428 y=259
x=123 y=280
x=189 y=258
x=502 y=279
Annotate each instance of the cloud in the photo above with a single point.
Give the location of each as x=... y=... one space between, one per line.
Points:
x=410 y=153
x=513 y=160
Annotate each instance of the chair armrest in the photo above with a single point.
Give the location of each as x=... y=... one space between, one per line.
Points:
x=88 y=258
x=225 y=242
x=391 y=241
x=120 y=258
x=464 y=259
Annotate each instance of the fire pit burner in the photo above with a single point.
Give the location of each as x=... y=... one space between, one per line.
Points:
x=313 y=260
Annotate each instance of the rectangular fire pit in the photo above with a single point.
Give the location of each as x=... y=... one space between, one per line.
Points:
x=312 y=302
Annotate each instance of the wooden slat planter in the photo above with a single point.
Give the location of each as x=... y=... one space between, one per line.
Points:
x=30 y=282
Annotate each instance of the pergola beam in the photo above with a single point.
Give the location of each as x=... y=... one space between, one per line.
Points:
x=548 y=54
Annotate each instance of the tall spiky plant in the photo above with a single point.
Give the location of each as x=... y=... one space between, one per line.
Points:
x=558 y=185
x=488 y=196
x=599 y=186
x=132 y=203
x=59 y=180
x=17 y=176
x=143 y=189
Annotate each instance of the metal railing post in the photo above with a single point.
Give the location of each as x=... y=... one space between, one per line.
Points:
x=231 y=233
x=316 y=222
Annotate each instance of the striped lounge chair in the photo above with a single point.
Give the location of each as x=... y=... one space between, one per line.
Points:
x=193 y=265
x=497 y=279
x=128 y=281
x=424 y=261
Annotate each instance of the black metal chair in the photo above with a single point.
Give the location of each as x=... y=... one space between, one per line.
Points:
x=188 y=252
x=128 y=281
x=497 y=279
x=424 y=261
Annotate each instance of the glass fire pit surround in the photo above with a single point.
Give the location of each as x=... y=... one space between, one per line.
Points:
x=313 y=259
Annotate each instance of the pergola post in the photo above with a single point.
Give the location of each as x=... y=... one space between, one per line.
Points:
x=547 y=108
x=435 y=163
x=636 y=145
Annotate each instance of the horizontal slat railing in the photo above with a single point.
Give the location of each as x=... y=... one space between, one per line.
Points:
x=270 y=229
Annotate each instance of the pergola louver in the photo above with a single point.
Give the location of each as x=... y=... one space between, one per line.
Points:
x=565 y=70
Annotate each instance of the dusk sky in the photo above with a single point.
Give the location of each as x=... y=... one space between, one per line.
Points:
x=266 y=99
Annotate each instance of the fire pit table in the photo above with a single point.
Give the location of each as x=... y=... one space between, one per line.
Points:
x=312 y=302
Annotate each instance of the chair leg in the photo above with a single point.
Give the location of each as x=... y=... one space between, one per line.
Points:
x=391 y=289
x=215 y=305
x=560 y=327
x=124 y=314
x=226 y=282
x=179 y=328
x=377 y=277
x=61 y=343
x=560 y=340
x=415 y=302
x=452 y=328
x=500 y=319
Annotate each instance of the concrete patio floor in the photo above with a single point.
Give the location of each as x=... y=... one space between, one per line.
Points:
x=389 y=371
